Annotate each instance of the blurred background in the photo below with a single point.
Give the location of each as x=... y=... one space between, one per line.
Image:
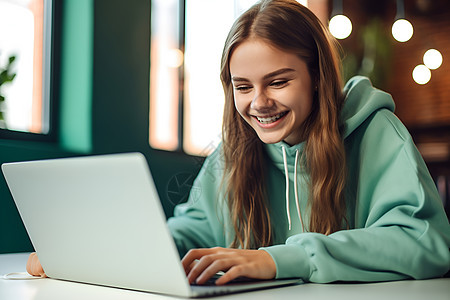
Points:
x=83 y=77
x=409 y=61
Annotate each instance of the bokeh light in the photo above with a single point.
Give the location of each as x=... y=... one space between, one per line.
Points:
x=421 y=74
x=432 y=59
x=402 y=30
x=340 y=26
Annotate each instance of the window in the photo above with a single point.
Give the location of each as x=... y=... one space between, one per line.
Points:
x=186 y=96
x=165 y=73
x=25 y=57
x=206 y=26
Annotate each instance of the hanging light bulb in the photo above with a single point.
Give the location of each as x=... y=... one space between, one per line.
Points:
x=432 y=59
x=340 y=25
x=402 y=29
x=421 y=74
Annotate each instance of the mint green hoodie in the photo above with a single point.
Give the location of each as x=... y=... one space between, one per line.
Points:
x=398 y=227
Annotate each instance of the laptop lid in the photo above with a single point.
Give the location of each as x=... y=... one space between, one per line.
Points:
x=99 y=220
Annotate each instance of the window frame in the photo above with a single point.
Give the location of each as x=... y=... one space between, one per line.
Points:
x=181 y=106
x=50 y=90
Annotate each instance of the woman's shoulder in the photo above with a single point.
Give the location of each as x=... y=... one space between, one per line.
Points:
x=213 y=164
x=215 y=156
x=382 y=125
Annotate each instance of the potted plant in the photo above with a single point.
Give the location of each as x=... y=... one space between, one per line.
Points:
x=6 y=76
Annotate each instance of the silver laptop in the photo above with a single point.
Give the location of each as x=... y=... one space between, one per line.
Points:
x=99 y=220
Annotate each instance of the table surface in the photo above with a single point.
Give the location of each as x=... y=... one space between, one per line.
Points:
x=49 y=289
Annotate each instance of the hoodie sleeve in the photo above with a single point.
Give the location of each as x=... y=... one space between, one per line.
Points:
x=400 y=229
x=196 y=223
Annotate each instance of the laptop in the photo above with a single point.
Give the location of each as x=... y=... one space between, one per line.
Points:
x=99 y=220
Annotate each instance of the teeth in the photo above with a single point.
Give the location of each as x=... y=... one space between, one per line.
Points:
x=271 y=119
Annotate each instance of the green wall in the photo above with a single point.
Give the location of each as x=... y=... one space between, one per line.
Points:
x=103 y=103
x=77 y=19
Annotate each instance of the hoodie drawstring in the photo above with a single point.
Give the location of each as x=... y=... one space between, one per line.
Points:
x=287 y=188
x=295 y=189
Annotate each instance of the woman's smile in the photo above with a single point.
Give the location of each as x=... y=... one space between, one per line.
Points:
x=270 y=119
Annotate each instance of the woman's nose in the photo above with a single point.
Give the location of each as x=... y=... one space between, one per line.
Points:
x=261 y=101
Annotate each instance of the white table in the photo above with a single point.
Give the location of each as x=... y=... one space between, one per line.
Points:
x=50 y=289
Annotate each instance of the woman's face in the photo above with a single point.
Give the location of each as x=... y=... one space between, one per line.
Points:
x=272 y=91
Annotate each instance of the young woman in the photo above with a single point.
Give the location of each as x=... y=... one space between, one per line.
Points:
x=312 y=180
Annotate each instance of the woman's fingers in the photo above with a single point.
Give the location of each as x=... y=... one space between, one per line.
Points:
x=191 y=258
x=208 y=266
x=202 y=264
x=233 y=273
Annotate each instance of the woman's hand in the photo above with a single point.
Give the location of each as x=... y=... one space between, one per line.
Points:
x=257 y=264
x=34 y=266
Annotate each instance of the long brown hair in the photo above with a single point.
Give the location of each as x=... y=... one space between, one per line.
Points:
x=290 y=26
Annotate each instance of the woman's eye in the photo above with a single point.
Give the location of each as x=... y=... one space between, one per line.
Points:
x=278 y=83
x=242 y=88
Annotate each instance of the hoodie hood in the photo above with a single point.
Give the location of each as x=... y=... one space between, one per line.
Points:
x=361 y=101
